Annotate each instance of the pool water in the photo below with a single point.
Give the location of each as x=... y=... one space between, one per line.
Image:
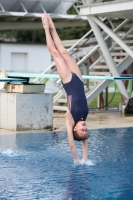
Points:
x=40 y=166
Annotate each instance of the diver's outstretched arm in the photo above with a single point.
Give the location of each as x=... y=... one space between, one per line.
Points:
x=69 y=125
x=84 y=151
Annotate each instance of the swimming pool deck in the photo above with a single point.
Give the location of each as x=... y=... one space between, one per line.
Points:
x=99 y=120
x=94 y=120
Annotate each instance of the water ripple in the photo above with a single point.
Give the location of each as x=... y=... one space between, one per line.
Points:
x=40 y=166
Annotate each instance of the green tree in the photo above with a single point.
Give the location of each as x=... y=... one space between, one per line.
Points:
x=38 y=36
x=73 y=33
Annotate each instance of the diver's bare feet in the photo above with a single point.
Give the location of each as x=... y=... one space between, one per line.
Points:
x=51 y=24
x=45 y=21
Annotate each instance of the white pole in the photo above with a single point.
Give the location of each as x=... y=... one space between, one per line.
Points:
x=107 y=56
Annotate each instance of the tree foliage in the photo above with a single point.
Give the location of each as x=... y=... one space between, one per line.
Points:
x=38 y=36
x=73 y=33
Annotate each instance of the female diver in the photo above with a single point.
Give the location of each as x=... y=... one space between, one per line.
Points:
x=72 y=82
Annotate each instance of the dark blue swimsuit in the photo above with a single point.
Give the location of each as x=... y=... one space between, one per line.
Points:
x=76 y=98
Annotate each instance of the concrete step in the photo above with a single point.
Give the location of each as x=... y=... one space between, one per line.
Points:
x=101 y=67
x=118 y=54
x=91 y=87
x=94 y=81
x=130 y=36
x=83 y=43
x=120 y=48
x=128 y=41
x=115 y=60
x=60 y=108
x=125 y=41
x=62 y=100
x=98 y=73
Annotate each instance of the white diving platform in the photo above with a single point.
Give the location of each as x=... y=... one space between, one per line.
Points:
x=10 y=80
x=26 y=14
x=122 y=9
x=56 y=76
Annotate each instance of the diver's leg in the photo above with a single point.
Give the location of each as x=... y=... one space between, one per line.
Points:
x=65 y=54
x=62 y=68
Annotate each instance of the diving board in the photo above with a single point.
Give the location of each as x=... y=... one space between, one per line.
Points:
x=56 y=76
x=4 y=80
x=12 y=80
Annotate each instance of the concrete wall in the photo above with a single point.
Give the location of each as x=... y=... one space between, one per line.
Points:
x=24 y=57
x=26 y=111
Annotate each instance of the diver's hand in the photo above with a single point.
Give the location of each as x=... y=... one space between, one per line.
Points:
x=82 y=161
x=77 y=162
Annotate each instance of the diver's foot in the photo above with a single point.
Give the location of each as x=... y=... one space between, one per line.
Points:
x=51 y=24
x=45 y=21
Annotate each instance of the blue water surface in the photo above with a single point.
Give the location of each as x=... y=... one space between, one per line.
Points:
x=40 y=166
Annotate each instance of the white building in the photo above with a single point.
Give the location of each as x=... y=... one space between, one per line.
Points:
x=24 y=57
